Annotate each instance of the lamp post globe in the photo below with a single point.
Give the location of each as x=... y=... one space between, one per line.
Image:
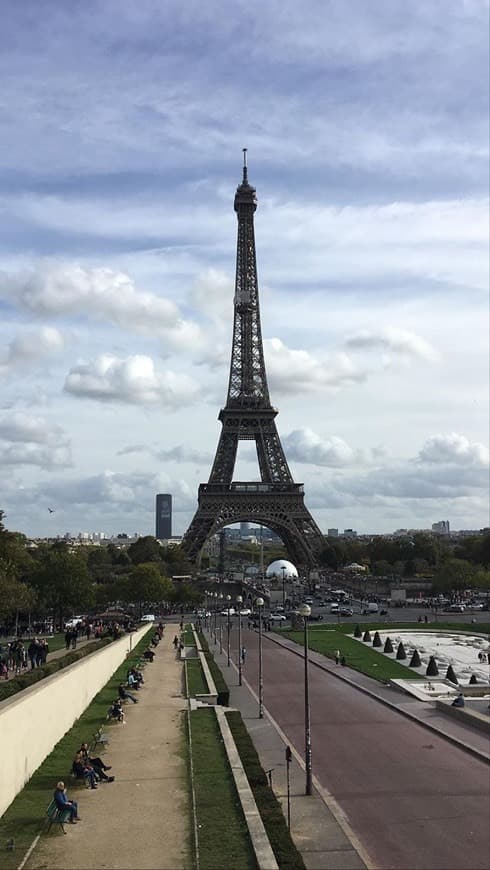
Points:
x=305 y=612
x=259 y=603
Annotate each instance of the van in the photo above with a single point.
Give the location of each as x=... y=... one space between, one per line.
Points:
x=334 y=608
x=371 y=607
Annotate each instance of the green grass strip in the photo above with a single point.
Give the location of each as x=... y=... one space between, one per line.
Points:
x=25 y=817
x=219 y=681
x=287 y=855
x=359 y=655
x=196 y=683
x=224 y=841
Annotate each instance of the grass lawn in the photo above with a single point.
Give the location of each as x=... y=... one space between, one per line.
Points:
x=25 y=817
x=326 y=639
x=224 y=841
x=196 y=683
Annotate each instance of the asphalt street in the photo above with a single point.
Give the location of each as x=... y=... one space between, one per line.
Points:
x=415 y=801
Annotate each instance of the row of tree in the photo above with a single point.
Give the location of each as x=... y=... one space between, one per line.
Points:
x=57 y=579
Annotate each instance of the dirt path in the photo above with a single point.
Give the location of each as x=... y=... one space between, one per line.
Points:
x=141 y=820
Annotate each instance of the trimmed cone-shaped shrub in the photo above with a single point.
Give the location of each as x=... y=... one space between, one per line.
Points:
x=366 y=637
x=400 y=653
x=415 y=660
x=388 y=645
x=432 y=669
x=357 y=631
x=473 y=679
x=450 y=675
x=377 y=640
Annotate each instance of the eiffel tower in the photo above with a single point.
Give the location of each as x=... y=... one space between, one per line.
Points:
x=276 y=501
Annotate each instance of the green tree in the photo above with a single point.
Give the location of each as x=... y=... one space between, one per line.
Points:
x=453 y=575
x=145 y=585
x=63 y=580
x=146 y=549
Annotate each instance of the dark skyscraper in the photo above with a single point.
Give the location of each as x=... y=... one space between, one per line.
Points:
x=163 y=516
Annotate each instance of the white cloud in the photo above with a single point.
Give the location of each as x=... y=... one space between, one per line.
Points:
x=28 y=440
x=303 y=445
x=292 y=371
x=134 y=380
x=454 y=449
x=99 y=294
x=31 y=345
x=396 y=340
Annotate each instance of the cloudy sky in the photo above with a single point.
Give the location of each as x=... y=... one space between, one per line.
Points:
x=122 y=128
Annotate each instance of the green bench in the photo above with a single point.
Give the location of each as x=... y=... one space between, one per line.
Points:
x=57 y=816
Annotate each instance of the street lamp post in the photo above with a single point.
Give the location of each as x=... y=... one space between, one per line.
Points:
x=220 y=600
x=305 y=612
x=228 y=629
x=259 y=604
x=283 y=569
x=215 y=605
x=239 y=601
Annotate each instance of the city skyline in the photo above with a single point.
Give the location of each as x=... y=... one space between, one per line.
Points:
x=367 y=134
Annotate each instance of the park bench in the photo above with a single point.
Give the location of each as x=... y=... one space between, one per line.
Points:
x=99 y=737
x=57 y=816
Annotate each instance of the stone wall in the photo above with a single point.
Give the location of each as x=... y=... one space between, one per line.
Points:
x=34 y=720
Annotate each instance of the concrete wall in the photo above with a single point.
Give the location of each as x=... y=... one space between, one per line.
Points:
x=34 y=720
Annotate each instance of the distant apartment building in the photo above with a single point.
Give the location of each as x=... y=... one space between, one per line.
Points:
x=441 y=528
x=333 y=533
x=350 y=533
x=163 y=516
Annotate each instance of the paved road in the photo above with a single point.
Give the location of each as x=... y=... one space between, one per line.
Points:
x=415 y=801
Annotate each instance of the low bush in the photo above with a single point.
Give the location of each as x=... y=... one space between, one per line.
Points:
x=270 y=810
x=219 y=681
x=29 y=678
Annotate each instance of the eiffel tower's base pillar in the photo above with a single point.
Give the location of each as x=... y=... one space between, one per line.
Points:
x=282 y=510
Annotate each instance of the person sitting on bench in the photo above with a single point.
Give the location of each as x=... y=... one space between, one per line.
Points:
x=83 y=770
x=60 y=798
x=149 y=654
x=97 y=764
x=116 y=711
x=459 y=701
x=125 y=695
x=133 y=681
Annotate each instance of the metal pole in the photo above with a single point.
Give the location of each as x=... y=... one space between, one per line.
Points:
x=228 y=638
x=261 y=676
x=308 y=789
x=283 y=569
x=239 y=645
x=288 y=780
x=220 y=632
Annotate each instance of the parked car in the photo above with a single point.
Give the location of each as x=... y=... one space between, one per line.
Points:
x=346 y=611
x=315 y=617
x=148 y=617
x=455 y=608
x=277 y=617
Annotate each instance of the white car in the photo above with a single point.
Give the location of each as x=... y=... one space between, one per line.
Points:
x=72 y=623
x=277 y=617
x=148 y=617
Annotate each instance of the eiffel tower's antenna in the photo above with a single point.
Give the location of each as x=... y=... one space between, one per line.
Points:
x=245 y=174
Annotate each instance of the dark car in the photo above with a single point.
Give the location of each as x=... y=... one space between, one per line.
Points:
x=345 y=611
x=315 y=617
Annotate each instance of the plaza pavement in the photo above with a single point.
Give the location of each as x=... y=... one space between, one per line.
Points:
x=141 y=820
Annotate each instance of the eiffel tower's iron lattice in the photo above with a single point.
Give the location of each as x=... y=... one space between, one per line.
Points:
x=276 y=501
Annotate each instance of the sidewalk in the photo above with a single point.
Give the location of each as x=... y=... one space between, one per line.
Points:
x=318 y=825
x=141 y=820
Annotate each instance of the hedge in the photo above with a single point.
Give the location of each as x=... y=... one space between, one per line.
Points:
x=270 y=809
x=219 y=681
x=29 y=678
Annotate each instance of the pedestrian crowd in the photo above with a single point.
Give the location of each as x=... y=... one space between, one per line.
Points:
x=16 y=655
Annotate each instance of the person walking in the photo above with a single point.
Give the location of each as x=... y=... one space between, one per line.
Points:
x=337 y=656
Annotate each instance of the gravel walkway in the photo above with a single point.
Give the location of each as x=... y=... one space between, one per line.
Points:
x=141 y=820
